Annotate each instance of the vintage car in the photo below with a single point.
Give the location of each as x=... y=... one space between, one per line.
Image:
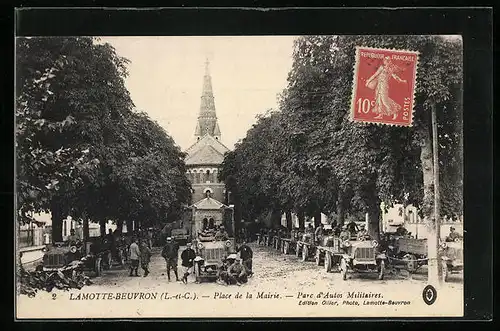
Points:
x=180 y=235
x=209 y=257
x=329 y=251
x=408 y=252
x=305 y=247
x=60 y=256
x=452 y=257
x=362 y=255
x=94 y=256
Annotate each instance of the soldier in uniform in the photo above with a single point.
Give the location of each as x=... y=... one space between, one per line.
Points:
x=170 y=253
x=246 y=255
x=237 y=273
x=362 y=232
x=318 y=233
x=221 y=234
x=352 y=227
x=73 y=238
x=222 y=273
x=453 y=235
x=187 y=257
x=345 y=234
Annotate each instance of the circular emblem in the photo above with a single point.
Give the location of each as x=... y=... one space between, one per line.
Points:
x=429 y=295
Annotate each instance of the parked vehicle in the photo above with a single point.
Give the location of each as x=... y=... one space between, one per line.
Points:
x=452 y=255
x=362 y=256
x=329 y=252
x=209 y=257
x=410 y=253
x=181 y=235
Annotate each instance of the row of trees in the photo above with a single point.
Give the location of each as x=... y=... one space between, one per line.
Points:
x=309 y=158
x=81 y=147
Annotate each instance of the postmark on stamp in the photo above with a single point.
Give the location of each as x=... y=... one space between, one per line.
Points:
x=384 y=86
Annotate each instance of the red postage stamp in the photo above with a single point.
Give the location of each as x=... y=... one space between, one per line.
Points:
x=384 y=86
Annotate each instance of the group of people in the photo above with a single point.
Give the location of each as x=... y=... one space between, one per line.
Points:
x=232 y=271
x=170 y=253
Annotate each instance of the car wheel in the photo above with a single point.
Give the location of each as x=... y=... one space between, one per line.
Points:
x=197 y=272
x=317 y=257
x=343 y=269
x=328 y=262
x=297 y=250
x=381 y=270
x=305 y=252
x=98 y=267
x=445 y=271
x=411 y=264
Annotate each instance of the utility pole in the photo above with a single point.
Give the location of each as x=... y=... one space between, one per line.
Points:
x=436 y=228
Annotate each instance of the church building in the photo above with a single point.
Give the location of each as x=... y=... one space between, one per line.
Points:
x=205 y=156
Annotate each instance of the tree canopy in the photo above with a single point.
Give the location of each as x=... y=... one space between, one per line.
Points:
x=309 y=156
x=82 y=148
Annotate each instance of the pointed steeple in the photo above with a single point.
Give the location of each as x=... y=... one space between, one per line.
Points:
x=207 y=118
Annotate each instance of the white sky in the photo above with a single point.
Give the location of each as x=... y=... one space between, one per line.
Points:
x=166 y=76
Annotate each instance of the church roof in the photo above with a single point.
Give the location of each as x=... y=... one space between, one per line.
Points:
x=209 y=204
x=207 y=150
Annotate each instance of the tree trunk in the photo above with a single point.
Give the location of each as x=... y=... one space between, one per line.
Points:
x=102 y=225
x=374 y=220
x=276 y=218
x=340 y=211
x=302 y=220
x=426 y=157
x=57 y=224
x=119 y=226
x=86 y=233
x=289 y=220
x=317 y=219
x=129 y=227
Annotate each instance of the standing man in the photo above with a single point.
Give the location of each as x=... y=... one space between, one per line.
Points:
x=453 y=235
x=170 y=253
x=318 y=233
x=246 y=255
x=187 y=257
x=134 y=256
x=352 y=227
x=145 y=257
x=73 y=238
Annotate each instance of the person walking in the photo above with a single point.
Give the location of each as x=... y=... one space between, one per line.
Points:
x=134 y=255
x=145 y=257
x=187 y=257
x=246 y=255
x=170 y=253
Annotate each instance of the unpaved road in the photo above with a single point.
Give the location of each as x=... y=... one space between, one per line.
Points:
x=296 y=283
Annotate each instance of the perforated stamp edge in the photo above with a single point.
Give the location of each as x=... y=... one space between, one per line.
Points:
x=355 y=86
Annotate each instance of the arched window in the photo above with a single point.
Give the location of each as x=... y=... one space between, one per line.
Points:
x=214 y=176
x=207 y=176
x=205 y=223
x=211 y=223
x=197 y=177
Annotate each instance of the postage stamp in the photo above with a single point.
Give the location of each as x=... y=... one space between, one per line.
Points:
x=384 y=86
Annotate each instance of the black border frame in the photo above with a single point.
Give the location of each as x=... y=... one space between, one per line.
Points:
x=474 y=24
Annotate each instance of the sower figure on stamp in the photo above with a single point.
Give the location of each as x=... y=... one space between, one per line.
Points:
x=379 y=81
x=145 y=256
x=170 y=253
x=187 y=257
x=246 y=255
x=134 y=255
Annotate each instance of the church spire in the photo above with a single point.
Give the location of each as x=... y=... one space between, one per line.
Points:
x=207 y=119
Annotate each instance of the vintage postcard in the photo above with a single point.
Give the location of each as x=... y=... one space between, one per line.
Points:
x=244 y=176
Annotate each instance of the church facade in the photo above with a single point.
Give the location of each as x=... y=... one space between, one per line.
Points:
x=205 y=156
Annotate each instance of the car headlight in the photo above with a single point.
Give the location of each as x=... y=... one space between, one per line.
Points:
x=444 y=245
x=346 y=243
x=228 y=243
x=72 y=249
x=374 y=243
x=200 y=245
